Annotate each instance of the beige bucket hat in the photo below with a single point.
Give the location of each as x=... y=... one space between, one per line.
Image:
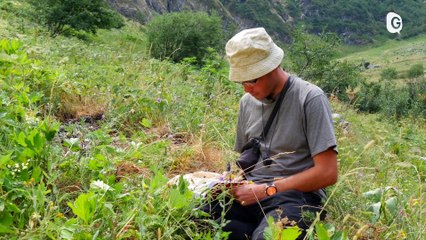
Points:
x=251 y=54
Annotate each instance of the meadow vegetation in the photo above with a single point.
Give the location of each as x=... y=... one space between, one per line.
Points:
x=92 y=128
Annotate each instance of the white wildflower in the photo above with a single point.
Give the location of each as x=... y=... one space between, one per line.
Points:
x=99 y=184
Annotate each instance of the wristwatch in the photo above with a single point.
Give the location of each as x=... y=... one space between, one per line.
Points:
x=270 y=189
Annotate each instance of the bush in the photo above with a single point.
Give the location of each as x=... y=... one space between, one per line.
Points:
x=184 y=34
x=368 y=100
x=389 y=74
x=391 y=100
x=85 y=15
x=312 y=57
x=415 y=71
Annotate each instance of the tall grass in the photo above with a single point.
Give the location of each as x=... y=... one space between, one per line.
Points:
x=91 y=130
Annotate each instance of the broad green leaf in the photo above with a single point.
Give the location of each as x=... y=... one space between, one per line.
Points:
x=6 y=221
x=392 y=205
x=178 y=200
x=321 y=231
x=20 y=139
x=275 y=232
x=5 y=159
x=84 y=207
x=67 y=231
x=98 y=162
x=36 y=173
x=27 y=153
x=375 y=209
x=290 y=233
x=375 y=194
x=157 y=182
x=38 y=141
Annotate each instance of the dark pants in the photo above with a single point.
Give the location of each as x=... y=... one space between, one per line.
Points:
x=249 y=222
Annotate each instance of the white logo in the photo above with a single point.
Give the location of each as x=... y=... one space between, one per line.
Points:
x=393 y=23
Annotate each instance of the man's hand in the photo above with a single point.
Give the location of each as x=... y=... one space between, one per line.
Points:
x=249 y=193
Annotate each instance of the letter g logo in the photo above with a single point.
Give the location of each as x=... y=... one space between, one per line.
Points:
x=393 y=22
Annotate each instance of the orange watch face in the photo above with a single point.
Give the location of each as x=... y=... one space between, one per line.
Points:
x=271 y=190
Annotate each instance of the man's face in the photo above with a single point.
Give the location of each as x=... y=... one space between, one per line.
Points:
x=258 y=88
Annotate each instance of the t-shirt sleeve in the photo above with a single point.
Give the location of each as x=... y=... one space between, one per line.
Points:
x=240 y=136
x=319 y=125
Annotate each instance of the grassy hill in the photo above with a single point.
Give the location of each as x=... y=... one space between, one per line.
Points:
x=91 y=129
x=398 y=54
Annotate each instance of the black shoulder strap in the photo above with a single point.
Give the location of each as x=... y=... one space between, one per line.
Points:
x=276 y=107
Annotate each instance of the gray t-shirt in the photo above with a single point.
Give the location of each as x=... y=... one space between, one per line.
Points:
x=301 y=129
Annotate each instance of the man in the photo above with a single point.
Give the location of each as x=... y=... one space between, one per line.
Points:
x=300 y=144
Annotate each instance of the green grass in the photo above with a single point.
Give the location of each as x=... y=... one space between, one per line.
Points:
x=398 y=54
x=160 y=119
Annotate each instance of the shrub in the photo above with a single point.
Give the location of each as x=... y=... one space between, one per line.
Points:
x=368 y=100
x=389 y=74
x=312 y=57
x=85 y=15
x=391 y=100
x=415 y=71
x=184 y=34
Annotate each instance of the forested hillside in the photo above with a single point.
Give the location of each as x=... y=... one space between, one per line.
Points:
x=355 y=21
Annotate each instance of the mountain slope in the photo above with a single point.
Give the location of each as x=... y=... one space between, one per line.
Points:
x=355 y=21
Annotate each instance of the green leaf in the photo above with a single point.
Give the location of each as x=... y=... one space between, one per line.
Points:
x=274 y=231
x=36 y=173
x=98 y=162
x=5 y=159
x=49 y=129
x=6 y=221
x=84 y=206
x=392 y=205
x=178 y=200
x=375 y=194
x=271 y=231
x=11 y=207
x=157 y=182
x=375 y=210
x=73 y=144
x=20 y=139
x=321 y=231
x=67 y=231
x=290 y=233
x=146 y=123
x=183 y=185
x=38 y=141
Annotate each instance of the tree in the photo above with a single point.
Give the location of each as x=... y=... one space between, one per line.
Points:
x=312 y=58
x=184 y=34
x=86 y=15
